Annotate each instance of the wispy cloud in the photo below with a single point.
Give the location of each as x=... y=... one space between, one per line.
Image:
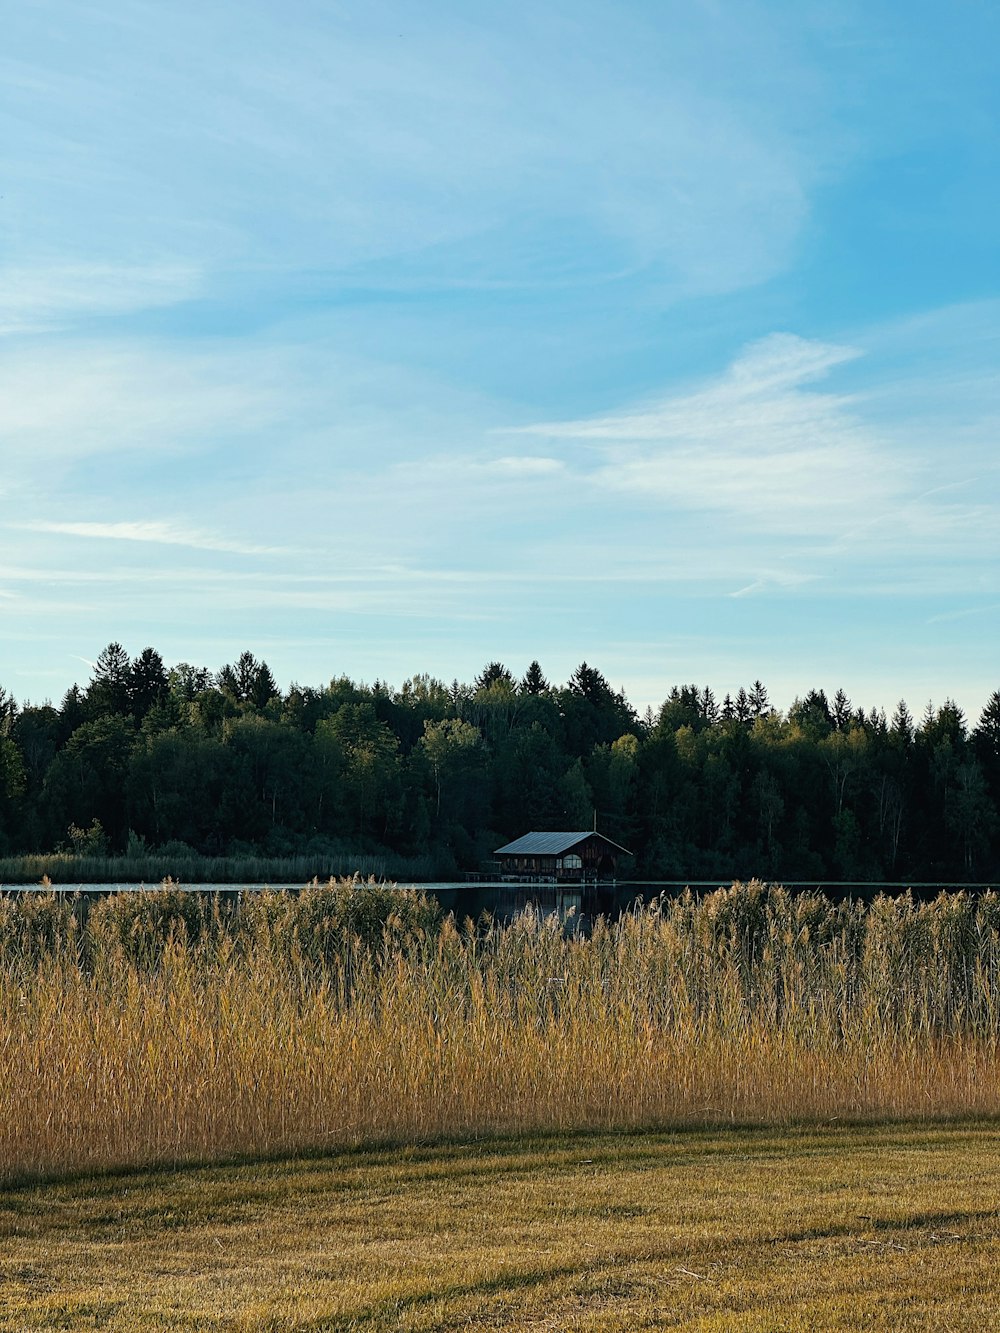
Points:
x=523 y=465
x=48 y=297
x=756 y=394
x=765 y=463
x=154 y=531
x=482 y=150
x=79 y=398
x=775 y=579
x=760 y=443
x=965 y=614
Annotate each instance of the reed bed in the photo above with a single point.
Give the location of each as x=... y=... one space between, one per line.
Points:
x=151 y=867
x=169 y=1027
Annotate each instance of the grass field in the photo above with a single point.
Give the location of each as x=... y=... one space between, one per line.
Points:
x=860 y=1228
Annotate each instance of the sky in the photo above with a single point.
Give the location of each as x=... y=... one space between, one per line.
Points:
x=381 y=338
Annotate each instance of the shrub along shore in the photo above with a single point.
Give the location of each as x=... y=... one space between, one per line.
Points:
x=171 y=1026
x=152 y=867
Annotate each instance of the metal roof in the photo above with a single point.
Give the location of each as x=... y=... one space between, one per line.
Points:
x=551 y=844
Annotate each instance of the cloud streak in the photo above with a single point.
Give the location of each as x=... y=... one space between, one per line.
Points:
x=764 y=447
x=152 y=531
x=478 y=150
x=47 y=298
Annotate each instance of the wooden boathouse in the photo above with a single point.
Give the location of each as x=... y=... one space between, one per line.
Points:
x=577 y=856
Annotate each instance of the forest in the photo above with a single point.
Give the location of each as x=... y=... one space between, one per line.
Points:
x=224 y=763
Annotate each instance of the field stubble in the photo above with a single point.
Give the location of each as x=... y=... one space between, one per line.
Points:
x=770 y=1230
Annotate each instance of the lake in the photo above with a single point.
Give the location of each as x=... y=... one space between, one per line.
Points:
x=504 y=898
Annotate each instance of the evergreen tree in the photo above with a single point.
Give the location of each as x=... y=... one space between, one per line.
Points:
x=681 y=708
x=758 y=699
x=593 y=713
x=263 y=687
x=147 y=682
x=987 y=733
x=492 y=674
x=227 y=682
x=108 y=691
x=246 y=670
x=534 y=682
x=812 y=715
x=8 y=712
x=901 y=728
x=72 y=712
x=841 y=711
x=947 y=723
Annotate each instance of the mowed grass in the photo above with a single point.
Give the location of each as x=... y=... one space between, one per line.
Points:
x=825 y=1228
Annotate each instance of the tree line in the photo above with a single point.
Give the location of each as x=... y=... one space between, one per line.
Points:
x=224 y=762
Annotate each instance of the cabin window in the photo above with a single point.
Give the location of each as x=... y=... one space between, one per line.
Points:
x=572 y=862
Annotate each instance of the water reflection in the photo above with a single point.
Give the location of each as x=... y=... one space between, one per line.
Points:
x=503 y=899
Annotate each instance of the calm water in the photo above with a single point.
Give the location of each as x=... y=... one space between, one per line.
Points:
x=503 y=898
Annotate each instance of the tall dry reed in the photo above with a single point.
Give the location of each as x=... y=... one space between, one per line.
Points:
x=168 y=1028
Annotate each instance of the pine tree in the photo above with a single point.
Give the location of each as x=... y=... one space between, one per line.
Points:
x=534 y=682
x=987 y=732
x=147 y=682
x=246 y=670
x=226 y=682
x=495 y=673
x=108 y=691
x=708 y=707
x=758 y=699
x=263 y=687
x=72 y=713
x=841 y=710
x=901 y=727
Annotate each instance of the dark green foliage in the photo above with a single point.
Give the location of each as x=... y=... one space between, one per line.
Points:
x=147 y=683
x=109 y=688
x=534 y=682
x=492 y=674
x=178 y=764
x=8 y=712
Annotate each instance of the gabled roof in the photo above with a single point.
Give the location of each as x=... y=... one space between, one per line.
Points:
x=552 y=844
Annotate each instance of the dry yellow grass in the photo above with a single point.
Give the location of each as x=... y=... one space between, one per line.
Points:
x=833 y=1228
x=349 y=1016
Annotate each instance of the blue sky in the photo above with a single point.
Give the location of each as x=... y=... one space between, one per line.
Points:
x=382 y=338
